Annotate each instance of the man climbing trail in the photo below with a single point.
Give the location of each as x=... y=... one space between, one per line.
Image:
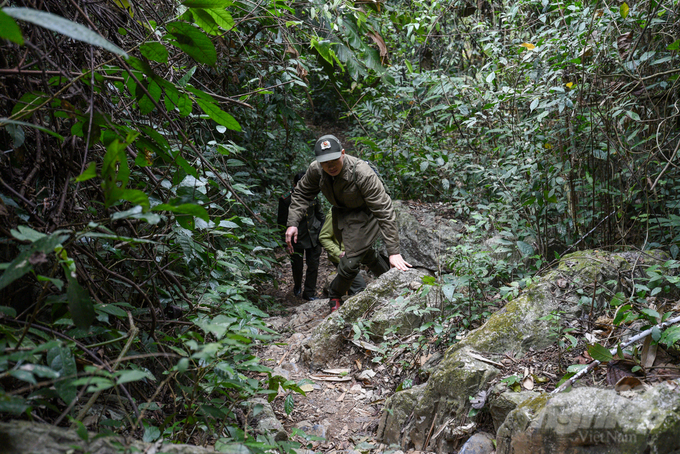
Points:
x=336 y=251
x=362 y=210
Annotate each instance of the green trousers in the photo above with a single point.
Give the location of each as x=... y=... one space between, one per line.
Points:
x=349 y=267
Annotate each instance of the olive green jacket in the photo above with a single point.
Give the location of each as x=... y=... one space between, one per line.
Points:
x=361 y=207
x=328 y=240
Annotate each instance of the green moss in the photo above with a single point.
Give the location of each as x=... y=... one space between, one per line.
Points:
x=536 y=404
x=589 y=264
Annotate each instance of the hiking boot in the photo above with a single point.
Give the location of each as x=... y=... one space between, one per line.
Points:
x=308 y=298
x=335 y=304
x=297 y=291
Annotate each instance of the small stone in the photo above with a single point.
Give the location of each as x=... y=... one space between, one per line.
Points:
x=479 y=443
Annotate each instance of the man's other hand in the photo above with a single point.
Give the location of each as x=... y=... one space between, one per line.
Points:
x=396 y=261
x=291 y=237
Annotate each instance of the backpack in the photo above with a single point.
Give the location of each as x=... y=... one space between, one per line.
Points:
x=377 y=172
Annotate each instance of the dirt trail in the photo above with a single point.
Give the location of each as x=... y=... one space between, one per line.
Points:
x=345 y=411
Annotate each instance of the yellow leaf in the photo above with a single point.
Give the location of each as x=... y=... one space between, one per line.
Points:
x=125 y=4
x=547 y=146
x=528 y=46
x=570 y=84
x=623 y=9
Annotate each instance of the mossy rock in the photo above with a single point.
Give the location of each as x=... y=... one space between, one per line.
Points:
x=24 y=437
x=445 y=398
x=378 y=308
x=517 y=327
x=594 y=421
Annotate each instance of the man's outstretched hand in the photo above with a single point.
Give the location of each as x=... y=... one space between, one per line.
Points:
x=291 y=237
x=396 y=261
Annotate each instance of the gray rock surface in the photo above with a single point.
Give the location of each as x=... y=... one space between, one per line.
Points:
x=517 y=327
x=502 y=403
x=479 y=443
x=595 y=421
x=265 y=421
x=382 y=305
x=425 y=236
x=23 y=437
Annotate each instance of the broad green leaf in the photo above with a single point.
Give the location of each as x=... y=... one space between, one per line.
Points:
x=27 y=104
x=126 y=376
x=135 y=197
x=79 y=303
x=222 y=18
x=64 y=26
x=186 y=221
x=618 y=299
x=218 y=115
x=145 y=104
x=187 y=77
x=17 y=134
x=25 y=233
x=210 y=4
x=185 y=208
x=192 y=41
x=621 y=314
x=670 y=336
x=675 y=45
x=23 y=375
x=89 y=173
x=111 y=309
x=323 y=47
x=289 y=404
x=137 y=212
x=525 y=248
x=185 y=105
x=574 y=368
x=12 y=404
x=23 y=263
x=8 y=311
x=206 y=22
x=600 y=353
x=154 y=51
x=56 y=282
x=9 y=29
x=651 y=313
x=634 y=116
x=624 y=9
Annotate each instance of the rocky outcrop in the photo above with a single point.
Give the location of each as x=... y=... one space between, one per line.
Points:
x=21 y=437
x=426 y=235
x=588 y=420
x=395 y=300
x=443 y=403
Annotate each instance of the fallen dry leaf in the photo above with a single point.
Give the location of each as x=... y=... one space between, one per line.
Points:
x=627 y=383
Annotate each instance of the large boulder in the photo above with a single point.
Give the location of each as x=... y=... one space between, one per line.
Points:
x=426 y=233
x=595 y=421
x=395 y=300
x=517 y=327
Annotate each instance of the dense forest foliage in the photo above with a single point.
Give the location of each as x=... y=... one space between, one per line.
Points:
x=145 y=143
